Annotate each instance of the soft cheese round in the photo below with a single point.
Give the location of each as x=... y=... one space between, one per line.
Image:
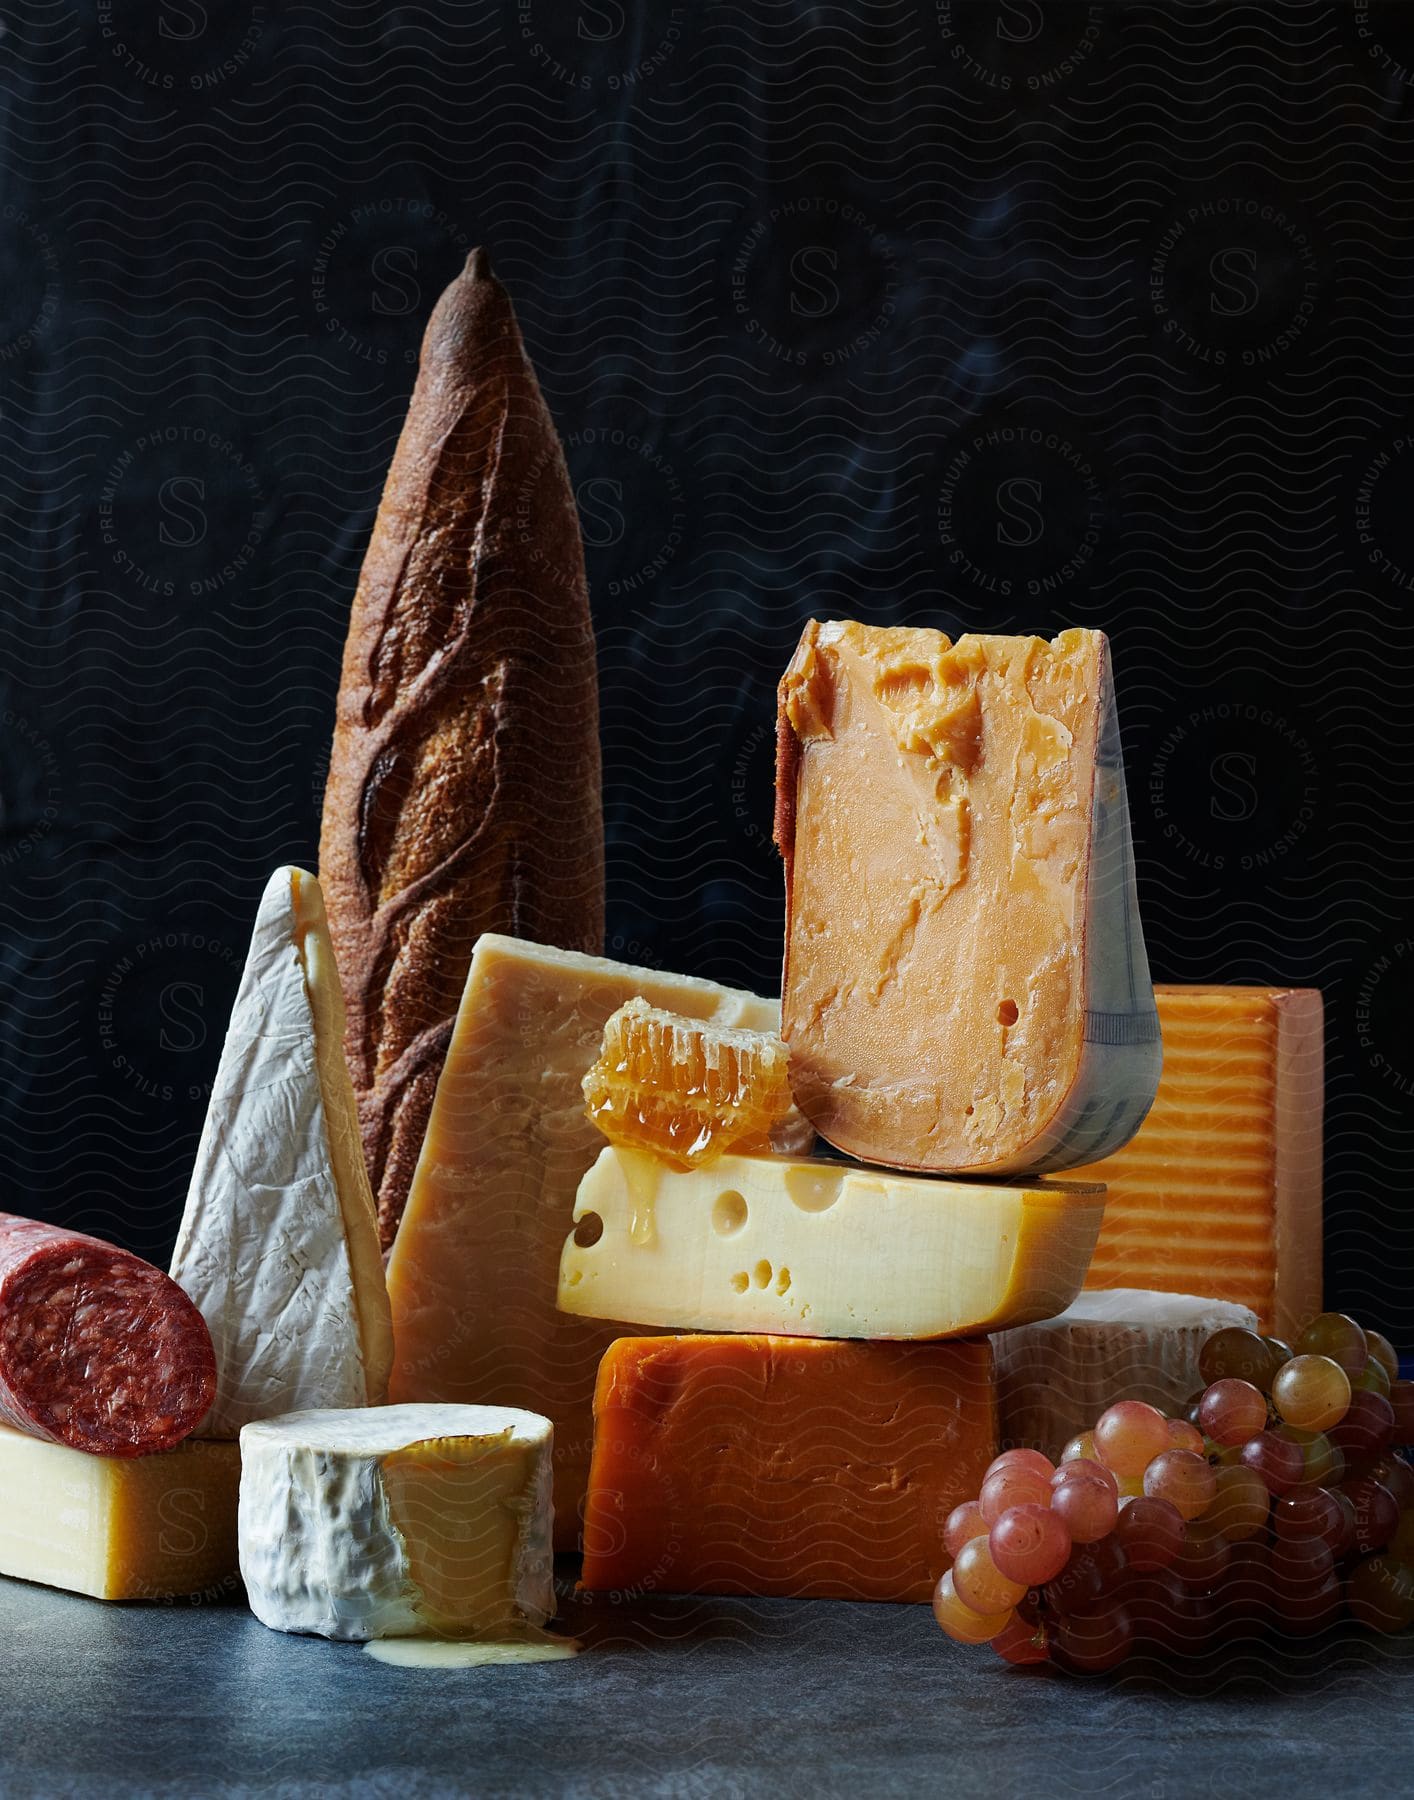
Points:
x=321 y=1548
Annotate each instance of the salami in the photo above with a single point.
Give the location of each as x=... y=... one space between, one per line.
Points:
x=98 y=1349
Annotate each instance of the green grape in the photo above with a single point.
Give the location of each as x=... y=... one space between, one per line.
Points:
x=1234 y=1353
x=959 y=1621
x=1401 y=1545
x=1373 y=1379
x=1401 y=1398
x=1241 y=1506
x=980 y=1584
x=1383 y=1352
x=1081 y=1448
x=1322 y=1464
x=1312 y=1392
x=1337 y=1336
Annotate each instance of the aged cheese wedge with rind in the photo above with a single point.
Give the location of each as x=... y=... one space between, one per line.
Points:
x=474 y=1269
x=1220 y=1192
x=799 y=1245
x=966 y=988
x=398 y=1521
x=120 y=1527
x=783 y=1466
x=278 y=1246
x=1055 y=1377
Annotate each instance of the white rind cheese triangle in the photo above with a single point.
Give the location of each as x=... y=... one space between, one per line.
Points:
x=279 y=1242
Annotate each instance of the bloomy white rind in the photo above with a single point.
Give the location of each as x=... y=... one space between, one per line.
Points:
x=319 y=1551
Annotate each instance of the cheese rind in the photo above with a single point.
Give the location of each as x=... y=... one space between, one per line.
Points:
x=783 y=1466
x=1220 y=1192
x=278 y=1245
x=398 y=1521
x=1055 y=1377
x=474 y=1269
x=119 y=1527
x=802 y=1246
x=966 y=988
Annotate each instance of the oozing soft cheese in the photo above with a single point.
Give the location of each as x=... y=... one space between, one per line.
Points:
x=474 y=1267
x=822 y=1249
x=398 y=1521
x=1220 y=1192
x=119 y=1527
x=790 y=1466
x=966 y=987
x=279 y=1242
x=1055 y=1378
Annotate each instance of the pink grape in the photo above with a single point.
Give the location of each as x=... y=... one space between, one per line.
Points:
x=1150 y=1532
x=964 y=1523
x=1204 y=1555
x=1300 y=1564
x=1397 y=1476
x=1242 y=1505
x=1086 y=1498
x=1376 y=1513
x=1300 y=1611
x=1184 y=1479
x=1278 y=1461
x=1022 y=1641
x=1092 y=1642
x=1367 y=1428
x=1310 y=1512
x=1231 y=1411
x=1022 y=1459
x=1129 y=1435
x=1030 y=1544
x=1184 y=1435
x=1382 y=1352
x=1381 y=1594
x=1013 y=1487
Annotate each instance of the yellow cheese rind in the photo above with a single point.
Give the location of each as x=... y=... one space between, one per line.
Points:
x=966 y=989
x=1220 y=1192
x=120 y=1528
x=473 y=1271
x=801 y=1246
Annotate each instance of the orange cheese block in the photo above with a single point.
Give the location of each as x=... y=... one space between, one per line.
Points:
x=965 y=982
x=783 y=1466
x=1220 y=1193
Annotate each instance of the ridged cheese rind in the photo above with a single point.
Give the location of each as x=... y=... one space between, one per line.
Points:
x=329 y=1545
x=278 y=1245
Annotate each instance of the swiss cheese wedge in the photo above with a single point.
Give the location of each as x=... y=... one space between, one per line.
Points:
x=801 y=1246
x=965 y=987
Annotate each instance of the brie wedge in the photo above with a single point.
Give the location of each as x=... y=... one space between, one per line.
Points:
x=279 y=1242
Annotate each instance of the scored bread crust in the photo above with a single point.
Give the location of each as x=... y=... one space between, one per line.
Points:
x=464 y=780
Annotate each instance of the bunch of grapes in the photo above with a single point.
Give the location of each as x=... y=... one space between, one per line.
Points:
x=1277 y=1502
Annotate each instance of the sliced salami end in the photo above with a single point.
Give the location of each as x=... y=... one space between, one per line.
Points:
x=99 y=1350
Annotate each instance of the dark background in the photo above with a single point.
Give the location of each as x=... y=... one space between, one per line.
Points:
x=1005 y=317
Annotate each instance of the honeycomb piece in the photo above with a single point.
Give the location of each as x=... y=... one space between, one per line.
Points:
x=687 y=1090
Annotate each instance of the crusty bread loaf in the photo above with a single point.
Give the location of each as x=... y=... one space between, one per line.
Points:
x=464 y=790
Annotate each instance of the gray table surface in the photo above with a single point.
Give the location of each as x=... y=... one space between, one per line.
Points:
x=674 y=1697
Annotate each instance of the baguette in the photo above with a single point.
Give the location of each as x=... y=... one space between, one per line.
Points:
x=464 y=784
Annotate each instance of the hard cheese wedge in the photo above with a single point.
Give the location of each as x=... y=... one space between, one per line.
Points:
x=1055 y=1378
x=798 y=1245
x=1220 y=1193
x=783 y=1466
x=119 y=1527
x=966 y=988
x=398 y=1521
x=279 y=1242
x=475 y=1265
